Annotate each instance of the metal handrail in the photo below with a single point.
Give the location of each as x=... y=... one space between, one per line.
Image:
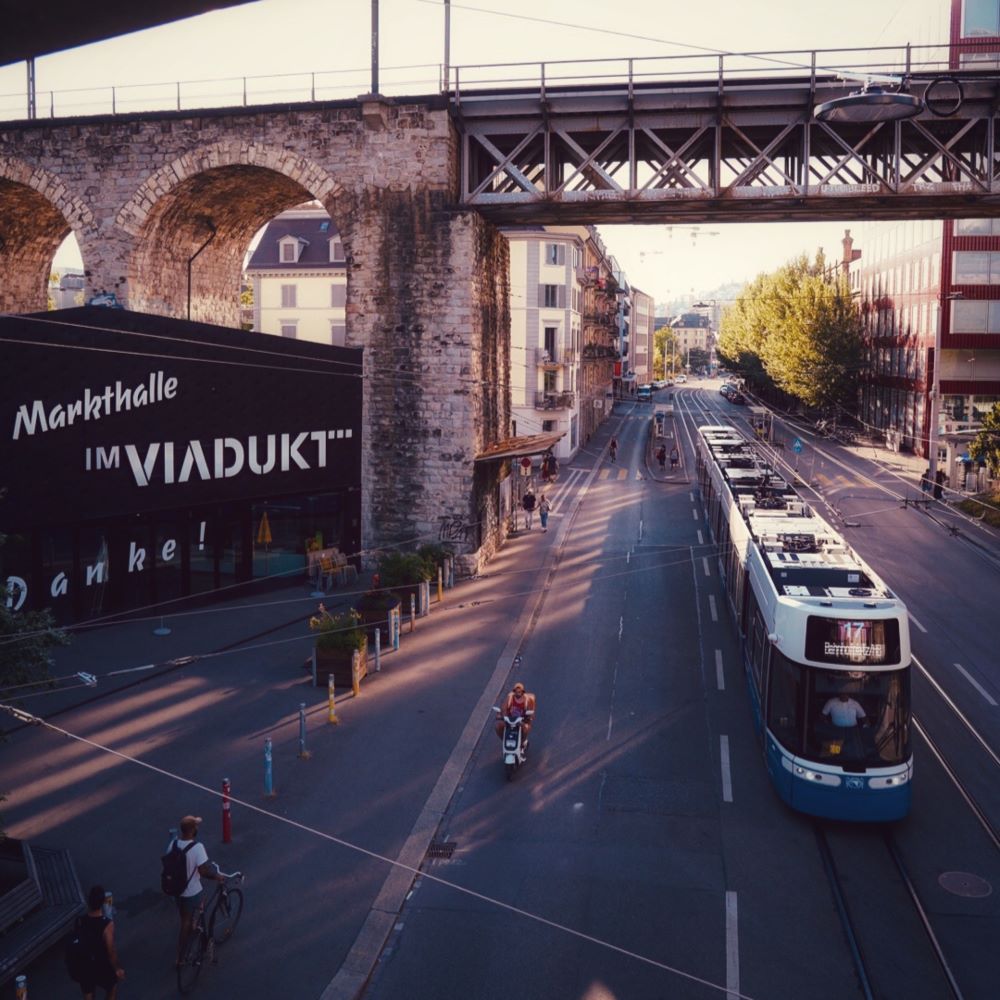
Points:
x=879 y=63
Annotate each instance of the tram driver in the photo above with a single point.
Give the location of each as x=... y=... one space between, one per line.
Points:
x=844 y=711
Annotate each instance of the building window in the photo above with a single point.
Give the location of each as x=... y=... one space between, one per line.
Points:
x=337 y=250
x=289 y=328
x=289 y=252
x=338 y=295
x=975 y=316
x=549 y=334
x=549 y=381
x=981 y=19
x=555 y=253
x=548 y=426
x=338 y=334
x=552 y=296
x=288 y=296
x=974 y=227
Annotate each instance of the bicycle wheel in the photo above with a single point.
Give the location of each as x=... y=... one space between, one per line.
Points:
x=190 y=967
x=226 y=915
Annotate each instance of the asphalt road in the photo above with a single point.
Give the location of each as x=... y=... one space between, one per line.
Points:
x=640 y=853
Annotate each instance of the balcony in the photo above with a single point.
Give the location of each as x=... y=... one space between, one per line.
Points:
x=549 y=360
x=554 y=400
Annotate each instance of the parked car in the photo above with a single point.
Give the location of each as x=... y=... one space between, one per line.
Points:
x=681 y=378
x=660 y=383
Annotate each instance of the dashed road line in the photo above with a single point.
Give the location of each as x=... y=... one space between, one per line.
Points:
x=965 y=673
x=720 y=677
x=727 y=779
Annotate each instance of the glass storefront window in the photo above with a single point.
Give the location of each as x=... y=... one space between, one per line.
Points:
x=201 y=551
x=168 y=545
x=973 y=227
x=93 y=569
x=57 y=573
x=969 y=316
x=16 y=578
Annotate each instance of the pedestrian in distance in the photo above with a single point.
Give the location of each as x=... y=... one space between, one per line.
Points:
x=92 y=957
x=198 y=867
x=675 y=457
x=613 y=449
x=528 y=503
x=925 y=481
x=661 y=456
x=939 y=482
x=543 y=512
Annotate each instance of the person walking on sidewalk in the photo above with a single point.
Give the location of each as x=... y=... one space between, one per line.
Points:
x=613 y=449
x=543 y=512
x=661 y=456
x=96 y=933
x=528 y=503
x=198 y=867
x=675 y=457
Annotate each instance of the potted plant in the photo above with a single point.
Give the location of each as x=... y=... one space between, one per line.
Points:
x=402 y=573
x=338 y=636
x=374 y=607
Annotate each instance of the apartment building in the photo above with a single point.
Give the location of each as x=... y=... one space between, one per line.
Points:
x=298 y=275
x=643 y=319
x=562 y=333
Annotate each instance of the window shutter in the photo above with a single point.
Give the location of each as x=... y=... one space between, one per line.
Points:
x=561 y=295
x=560 y=253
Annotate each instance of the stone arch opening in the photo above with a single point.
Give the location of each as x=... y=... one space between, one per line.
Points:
x=37 y=216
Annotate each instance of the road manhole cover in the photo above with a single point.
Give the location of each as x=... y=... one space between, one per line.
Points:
x=964 y=884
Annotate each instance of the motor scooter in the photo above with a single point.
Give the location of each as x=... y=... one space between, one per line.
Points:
x=513 y=745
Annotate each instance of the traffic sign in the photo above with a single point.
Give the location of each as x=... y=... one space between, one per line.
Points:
x=797 y=446
x=525 y=466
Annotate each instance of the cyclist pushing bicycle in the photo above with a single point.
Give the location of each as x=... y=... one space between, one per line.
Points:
x=190 y=901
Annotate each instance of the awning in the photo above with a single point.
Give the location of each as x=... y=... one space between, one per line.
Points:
x=516 y=447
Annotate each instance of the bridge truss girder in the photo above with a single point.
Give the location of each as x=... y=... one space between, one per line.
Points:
x=670 y=154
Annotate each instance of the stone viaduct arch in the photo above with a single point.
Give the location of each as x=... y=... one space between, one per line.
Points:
x=427 y=283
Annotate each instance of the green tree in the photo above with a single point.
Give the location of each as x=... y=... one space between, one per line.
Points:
x=985 y=445
x=26 y=640
x=800 y=330
x=664 y=349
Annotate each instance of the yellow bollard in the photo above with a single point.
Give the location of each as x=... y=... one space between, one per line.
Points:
x=440 y=584
x=332 y=717
x=356 y=672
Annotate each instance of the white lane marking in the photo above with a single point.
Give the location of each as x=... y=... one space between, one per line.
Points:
x=732 y=947
x=628 y=557
x=711 y=608
x=965 y=673
x=691 y=497
x=621 y=627
x=915 y=622
x=640 y=529
x=727 y=781
x=704 y=562
x=719 y=676
x=694 y=513
x=701 y=540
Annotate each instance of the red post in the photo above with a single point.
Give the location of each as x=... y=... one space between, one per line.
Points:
x=227 y=815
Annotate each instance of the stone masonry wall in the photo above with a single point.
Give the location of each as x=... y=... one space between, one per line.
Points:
x=155 y=198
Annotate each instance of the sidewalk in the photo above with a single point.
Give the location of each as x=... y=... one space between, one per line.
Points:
x=195 y=706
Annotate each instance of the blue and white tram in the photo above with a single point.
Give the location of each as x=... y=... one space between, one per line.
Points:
x=825 y=643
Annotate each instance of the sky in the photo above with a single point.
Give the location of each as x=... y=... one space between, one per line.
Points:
x=287 y=40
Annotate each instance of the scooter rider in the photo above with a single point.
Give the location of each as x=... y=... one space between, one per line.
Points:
x=518 y=703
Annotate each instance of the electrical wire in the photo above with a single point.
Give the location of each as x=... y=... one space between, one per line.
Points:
x=373 y=855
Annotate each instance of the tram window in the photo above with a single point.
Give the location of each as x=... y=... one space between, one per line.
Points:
x=880 y=738
x=784 y=702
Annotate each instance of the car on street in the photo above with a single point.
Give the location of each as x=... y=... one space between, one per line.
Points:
x=644 y=393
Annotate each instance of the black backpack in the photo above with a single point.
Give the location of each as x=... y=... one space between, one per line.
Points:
x=174 y=876
x=81 y=961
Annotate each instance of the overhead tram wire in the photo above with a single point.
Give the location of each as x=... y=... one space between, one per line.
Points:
x=706 y=49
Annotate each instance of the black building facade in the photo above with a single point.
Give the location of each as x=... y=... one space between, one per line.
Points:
x=145 y=459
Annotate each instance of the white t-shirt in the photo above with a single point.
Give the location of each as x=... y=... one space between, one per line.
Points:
x=196 y=857
x=844 y=713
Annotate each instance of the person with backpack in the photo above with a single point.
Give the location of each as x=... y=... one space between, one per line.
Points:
x=184 y=866
x=91 y=956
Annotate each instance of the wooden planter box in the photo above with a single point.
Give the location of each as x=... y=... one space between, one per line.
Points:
x=337 y=662
x=372 y=618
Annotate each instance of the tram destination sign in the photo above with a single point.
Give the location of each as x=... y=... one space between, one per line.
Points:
x=107 y=412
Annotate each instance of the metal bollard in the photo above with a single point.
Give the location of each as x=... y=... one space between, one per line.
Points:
x=356 y=672
x=227 y=815
x=378 y=650
x=394 y=625
x=332 y=709
x=21 y=987
x=440 y=584
x=425 y=598
x=268 y=769
x=413 y=612
x=304 y=754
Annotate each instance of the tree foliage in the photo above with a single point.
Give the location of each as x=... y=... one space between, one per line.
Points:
x=985 y=445
x=799 y=331
x=664 y=349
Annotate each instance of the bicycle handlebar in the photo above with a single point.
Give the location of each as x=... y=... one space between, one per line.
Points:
x=227 y=875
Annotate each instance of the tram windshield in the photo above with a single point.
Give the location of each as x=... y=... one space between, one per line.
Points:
x=852 y=718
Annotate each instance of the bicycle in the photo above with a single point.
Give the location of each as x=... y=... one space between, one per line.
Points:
x=224 y=913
